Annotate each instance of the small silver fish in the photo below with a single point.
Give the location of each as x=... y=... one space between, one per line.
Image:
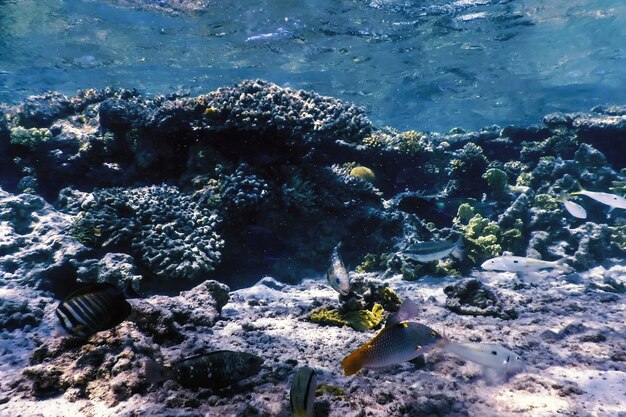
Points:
x=302 y=393
x=612 y=200
x=92 y=309
x=337 y=274
x=522 y=264
x=435 y=250
x=572 y=208
x=394 y=344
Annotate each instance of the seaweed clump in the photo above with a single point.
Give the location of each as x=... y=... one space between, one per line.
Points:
x=360 y=320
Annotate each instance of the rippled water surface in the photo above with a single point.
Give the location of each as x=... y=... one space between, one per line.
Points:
x=429 y=65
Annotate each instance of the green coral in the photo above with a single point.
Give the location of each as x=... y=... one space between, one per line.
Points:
x=298 y=193
x=524 y=179
x=619 y=187
x=327 y=316
x=464 y=213
x=513 y=239
x=481 y=235
x=497 y=180
x=29 y=137
x=372 y=263
x=484 y=238
x=377 y=140
x=86 y=232
x=412 y=143
x=332 y=390
x=618 y=235
x=390 y=299
x=447 y=268
x=359 y=320
x=546 y=202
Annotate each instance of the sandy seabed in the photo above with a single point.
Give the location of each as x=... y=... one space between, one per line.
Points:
x=570 y=332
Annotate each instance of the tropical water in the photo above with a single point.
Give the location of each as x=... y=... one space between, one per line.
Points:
x=431 y=65
x=292 y=255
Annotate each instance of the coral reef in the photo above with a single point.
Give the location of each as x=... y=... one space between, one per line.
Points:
x=297 y=169
x=168 y=233
x=116 y=268
x=108 y=371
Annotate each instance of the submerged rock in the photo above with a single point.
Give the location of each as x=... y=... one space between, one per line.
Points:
x=472 y=297
x=35 y=249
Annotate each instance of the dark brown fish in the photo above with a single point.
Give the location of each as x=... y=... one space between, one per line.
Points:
x=217 y=369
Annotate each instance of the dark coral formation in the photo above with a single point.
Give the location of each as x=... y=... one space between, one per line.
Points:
x=270 y=172
x=170 y=235
x=472 y=297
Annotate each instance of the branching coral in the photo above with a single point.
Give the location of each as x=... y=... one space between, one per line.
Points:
x=243 y=189
x=412 y=143
x=482 y=236
x=497 y=180
x=29 y=137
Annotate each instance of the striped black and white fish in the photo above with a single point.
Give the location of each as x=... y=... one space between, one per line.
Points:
x=302 y=393
x=92 y=309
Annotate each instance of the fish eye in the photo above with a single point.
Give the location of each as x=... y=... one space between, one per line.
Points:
x=337 y=280
x=518 y=358
x=493 y=352
x=433 y=334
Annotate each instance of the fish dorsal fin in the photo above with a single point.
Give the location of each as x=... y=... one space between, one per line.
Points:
x=408 y=310
x=94 y=288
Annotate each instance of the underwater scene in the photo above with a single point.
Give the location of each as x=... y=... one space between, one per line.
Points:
x=329 y=208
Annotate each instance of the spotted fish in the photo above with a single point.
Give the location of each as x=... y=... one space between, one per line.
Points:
x=92 y=309
x=488 y=355
x=216 y=369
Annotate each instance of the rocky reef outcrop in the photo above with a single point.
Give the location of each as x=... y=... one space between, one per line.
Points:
x=177 y=196
x=256 y=177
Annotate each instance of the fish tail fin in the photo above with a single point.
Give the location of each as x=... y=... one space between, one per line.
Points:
x=562 y=265
x=580 y=189
x=459 y=249
x=352 y=363
x=129 y=291
x=153 y=371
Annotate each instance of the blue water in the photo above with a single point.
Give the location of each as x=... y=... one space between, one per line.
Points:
x=429 y=65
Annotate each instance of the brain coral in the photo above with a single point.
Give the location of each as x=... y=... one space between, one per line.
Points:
x=165 y=230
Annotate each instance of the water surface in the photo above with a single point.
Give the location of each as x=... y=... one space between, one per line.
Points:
x=429 y=65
